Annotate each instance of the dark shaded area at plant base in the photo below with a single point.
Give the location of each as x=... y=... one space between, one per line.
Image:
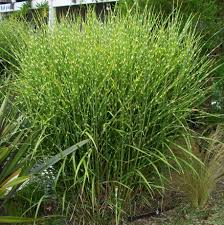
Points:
x=182 y=213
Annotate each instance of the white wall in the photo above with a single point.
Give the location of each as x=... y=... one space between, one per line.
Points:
x=56 y=3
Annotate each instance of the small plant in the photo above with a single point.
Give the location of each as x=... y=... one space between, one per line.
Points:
x=200 y=177
x=25 y=11
x=43 y=5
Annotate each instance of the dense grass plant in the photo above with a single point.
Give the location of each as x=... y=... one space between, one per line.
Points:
x=129 y=85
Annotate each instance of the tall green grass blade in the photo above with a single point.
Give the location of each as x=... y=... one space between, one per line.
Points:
x=51 y=161
x=15 y=220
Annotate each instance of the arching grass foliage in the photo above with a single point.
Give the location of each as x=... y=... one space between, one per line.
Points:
x=129 y=84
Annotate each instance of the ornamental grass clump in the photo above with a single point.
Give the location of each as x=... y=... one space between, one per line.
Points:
x=128 y=84
x=13 y=38
x=199 y=183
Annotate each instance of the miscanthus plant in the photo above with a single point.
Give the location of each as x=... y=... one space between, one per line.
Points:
x=128 y=84
x=13 y=38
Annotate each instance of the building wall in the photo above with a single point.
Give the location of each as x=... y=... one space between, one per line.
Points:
x=61 y=8
x=15 y=6
x=101 y=10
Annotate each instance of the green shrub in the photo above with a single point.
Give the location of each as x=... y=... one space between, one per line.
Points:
x=129 y=85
